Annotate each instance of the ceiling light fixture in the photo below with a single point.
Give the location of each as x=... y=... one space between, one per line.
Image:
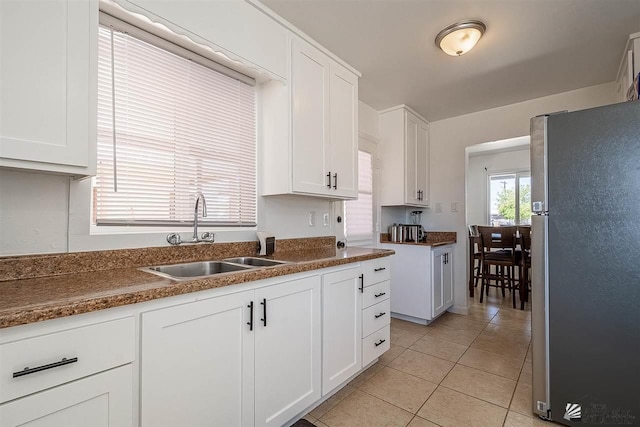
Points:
x=459 y=38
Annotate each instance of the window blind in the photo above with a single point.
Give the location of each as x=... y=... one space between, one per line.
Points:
x=359 y=213
x=169 y=127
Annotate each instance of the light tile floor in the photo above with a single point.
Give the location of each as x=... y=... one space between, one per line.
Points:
x=472 y=370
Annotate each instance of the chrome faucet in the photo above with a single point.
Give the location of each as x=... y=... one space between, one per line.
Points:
x=207 y=237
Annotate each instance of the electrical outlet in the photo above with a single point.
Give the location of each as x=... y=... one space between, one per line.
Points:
x=312 y=219
x=438 y=207
x=454 y=206
x=325 y=219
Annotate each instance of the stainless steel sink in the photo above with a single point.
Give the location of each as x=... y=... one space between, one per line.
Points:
x=255 y=262
x=195 y=270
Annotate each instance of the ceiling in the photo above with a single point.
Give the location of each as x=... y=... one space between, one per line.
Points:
x=532 y=48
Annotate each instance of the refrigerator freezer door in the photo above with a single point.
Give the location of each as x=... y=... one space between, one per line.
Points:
x=539 y=164
x=593 y=270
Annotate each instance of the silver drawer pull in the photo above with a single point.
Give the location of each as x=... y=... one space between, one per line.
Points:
x=379 y=315
x=379 y=342
x=27 y=371
x=380 y=294
x=380 y=269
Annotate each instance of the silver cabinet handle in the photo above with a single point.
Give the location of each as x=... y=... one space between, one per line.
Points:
x=27 y=371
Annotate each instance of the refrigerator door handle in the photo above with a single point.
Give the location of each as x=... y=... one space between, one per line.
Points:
x=539 y=166
x=540 y=315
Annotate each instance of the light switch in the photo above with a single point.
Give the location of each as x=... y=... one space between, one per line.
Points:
x=312 y=219
x=438 y=207
x=325 y=219
x=454 y=206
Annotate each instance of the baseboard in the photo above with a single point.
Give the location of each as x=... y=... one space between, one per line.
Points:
x=410 y=318
x=458 y=309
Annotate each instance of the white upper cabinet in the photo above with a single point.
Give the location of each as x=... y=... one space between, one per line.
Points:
x=48 y=86
x=318 y=155
x=404 y=150
x=236 y=27
x=343 y=138
x=310 y=111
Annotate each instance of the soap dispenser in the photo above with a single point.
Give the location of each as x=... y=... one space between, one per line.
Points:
x=267 y=243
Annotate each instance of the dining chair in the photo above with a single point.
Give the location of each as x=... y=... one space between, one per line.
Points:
x=498 y=250
x=525 y=264
x=475 y=261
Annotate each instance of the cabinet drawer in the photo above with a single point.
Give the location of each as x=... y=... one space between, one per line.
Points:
x=376 y=317
x=376 y=271
x=45 y=361
x=375 y=344
x=375 y=294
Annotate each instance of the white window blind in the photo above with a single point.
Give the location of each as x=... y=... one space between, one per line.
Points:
x=169 y=127
x=359 y=213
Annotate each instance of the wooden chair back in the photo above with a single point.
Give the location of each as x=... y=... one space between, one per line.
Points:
x=497 y=237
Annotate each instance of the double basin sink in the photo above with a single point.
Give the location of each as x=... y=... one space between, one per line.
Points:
x=203 y=269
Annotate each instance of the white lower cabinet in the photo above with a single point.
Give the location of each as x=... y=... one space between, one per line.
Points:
x=287 y=350
x=197 y=364
x=245 y=359
x=101 y=400
x=341 y=327
x=441 y=280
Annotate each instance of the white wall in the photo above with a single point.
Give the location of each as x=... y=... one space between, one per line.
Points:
x=480 y=166
x=33 y=212
x=448 y=139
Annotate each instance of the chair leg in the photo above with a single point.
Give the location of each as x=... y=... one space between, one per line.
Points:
x=502 y=279
x=513 y=286
x=482 y=287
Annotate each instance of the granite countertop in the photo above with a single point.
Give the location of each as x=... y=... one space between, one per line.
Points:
x=35 y=299
x=434 y=239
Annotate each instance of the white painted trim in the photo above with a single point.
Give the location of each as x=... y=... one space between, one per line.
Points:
x=458 y=309
x=295 y=30
x=406 y=107
x=411 y=319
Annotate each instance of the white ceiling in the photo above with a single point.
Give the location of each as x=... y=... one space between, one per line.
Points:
x=532 y=48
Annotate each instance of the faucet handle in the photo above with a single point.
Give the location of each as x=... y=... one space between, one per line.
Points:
x=174 y=239
x=208 y=237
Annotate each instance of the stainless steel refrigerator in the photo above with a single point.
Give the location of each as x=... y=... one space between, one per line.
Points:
x=585 y=268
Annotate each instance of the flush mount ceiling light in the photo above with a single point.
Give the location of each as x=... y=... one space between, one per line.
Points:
x=459 y=38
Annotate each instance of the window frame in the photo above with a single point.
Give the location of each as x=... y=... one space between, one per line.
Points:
x=517 y=174
x=141 y=227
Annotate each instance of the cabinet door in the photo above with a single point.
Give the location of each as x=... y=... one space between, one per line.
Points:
x=47 y=92
x=197 y=364
x=341 y=327
x=287 y=364
x=437 y=297
x=343 y=146
x=447 y=280
x=101 y=400
x=310 y=116
x=422 y=164
x=411 y=159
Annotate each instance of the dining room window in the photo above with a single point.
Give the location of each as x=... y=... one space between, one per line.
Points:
x=509 y=198
x=171 y=123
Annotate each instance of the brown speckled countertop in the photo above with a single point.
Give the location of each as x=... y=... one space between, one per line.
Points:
x=38 y=298
x=434 y=238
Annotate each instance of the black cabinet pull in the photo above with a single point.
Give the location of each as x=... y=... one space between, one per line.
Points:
x=379 y=342
x=335 y=181
x=379 y=269
x=380 y=294
x=379 y=315
x=329 y=176
x=27 y=371
x=250 y=322
x=362 y=283
x=264 y=311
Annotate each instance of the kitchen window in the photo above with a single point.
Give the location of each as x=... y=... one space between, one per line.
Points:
x=359 y=215
x=510 y=198
x=171 y=123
